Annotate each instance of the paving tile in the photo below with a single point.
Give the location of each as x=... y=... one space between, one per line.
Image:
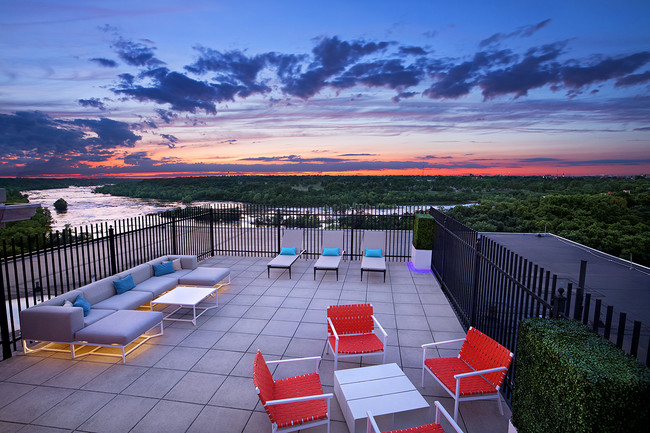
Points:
x=11 y=391
x=236 y=392
x=249 y=326
x=412 y=322
x=16 y=364
x=235 y=341
x=218 y=323
x=414 y=338
x=148 y=354
x=171 y=336
x=33 y=404
x=74 y=410
x=304 y=347
x=231 y=310
x=115 y=379
x=221 y=419
x=43 y=371
x=168 y=417
x=119 y=415
x=289 y=314
x=270 y=301
x=195 y=387
x=260 y=312
x=244 y=367
x=270 y=344
x=311 y=330
x=10 y=427
x=181 y=358
x=41 y=429
x=155 y=383
x=280 y=328
x=201 y=338
x=81 y=374
x=217 y=362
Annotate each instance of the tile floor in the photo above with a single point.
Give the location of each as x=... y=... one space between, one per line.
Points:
x=198 y=378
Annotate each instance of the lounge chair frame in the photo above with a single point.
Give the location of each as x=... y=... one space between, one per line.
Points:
x=331 y=239
x=292 y=238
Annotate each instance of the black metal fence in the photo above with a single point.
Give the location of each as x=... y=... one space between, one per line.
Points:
x=36 y=268
x=492 y=288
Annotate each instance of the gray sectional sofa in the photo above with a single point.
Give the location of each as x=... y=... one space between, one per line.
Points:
x=112 y=320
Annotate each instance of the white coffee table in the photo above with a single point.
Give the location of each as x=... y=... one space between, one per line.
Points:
x=383 y=390
x=188 y=297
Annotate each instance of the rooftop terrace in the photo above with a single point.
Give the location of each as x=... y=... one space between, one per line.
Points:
x=199 y=378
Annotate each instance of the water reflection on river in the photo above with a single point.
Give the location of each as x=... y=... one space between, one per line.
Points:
x=86 y=207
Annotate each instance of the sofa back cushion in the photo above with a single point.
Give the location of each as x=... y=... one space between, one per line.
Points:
x=187 y=261
x=139 y=273
x=59 y=300
x=99 y=290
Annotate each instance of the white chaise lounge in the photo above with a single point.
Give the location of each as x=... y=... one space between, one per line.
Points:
x=290 y=251
x=333 y=251
x=373 y=247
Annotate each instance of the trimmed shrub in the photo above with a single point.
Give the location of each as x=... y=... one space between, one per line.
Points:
x=424 y=230
x=570 y=379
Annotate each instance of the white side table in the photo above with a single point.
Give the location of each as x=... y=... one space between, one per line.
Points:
x=383 y=390
x=188 y=297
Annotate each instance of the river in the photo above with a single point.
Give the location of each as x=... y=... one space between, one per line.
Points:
x=86 y=207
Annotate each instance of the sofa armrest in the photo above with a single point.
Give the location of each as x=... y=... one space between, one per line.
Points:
x=51 y=323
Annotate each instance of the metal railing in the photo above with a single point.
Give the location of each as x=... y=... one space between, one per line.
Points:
x=37 y=268
x=492 y=289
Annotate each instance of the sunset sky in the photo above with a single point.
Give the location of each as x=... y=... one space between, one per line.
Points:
x=174 y=88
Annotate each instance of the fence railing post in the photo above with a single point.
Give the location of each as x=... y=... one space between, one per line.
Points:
x=278 y=215
x=475 y=283
x=559 y=304
x=4 y=319
x=211 y=231
x=112 y=250
x=174 y=240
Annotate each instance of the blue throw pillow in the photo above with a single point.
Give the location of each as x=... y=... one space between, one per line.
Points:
x=288 y=251
x=81 y=302
x=124 y=285
x=373 y=252
x=163 y=269
x=330 y=251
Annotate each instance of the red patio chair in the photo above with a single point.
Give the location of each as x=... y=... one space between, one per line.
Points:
x=477 y=373
x=293 y=403
x=434 y=427
x=351 y=332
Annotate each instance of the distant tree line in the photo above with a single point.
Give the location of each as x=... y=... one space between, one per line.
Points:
x=346 y=191
x=616 y=223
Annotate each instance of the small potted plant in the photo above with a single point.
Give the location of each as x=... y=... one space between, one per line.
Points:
x=424 y=230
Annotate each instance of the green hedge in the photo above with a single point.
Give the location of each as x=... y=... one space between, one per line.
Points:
x=570 y=379
x=424 y=230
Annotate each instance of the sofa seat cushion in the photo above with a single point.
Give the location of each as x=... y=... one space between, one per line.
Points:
x=156 y=286
x=126 y=301
x=95 y=314
x=119 y=328
x=176 y=275
x=204 y=276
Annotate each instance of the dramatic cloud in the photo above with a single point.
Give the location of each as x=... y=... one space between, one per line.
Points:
x=136 y=53
x=107 y=63
x=524 y=31
x=34 y=134
x=92 y=102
